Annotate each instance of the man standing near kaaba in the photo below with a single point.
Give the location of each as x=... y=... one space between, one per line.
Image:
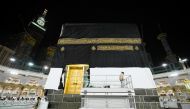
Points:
x=122 y=78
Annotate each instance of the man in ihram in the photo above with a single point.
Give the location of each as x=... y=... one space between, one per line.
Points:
x=122 y=79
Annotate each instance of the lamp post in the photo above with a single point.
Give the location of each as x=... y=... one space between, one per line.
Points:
x=165 y=66
x=45 y=69
x=12 y=59
x=30 y=64
x=182 y=61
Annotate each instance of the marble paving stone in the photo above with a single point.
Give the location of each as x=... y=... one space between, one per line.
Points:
x=71 y=106
x=58 y=98
x=53 y=105
x=50 y=97
x=58 y=91
x=149 y=92
x=68 y=99
x=78 y=99
x=151 y=99
x=137 y=99
x=140 y=92
x=62 y=106
x=49 y=92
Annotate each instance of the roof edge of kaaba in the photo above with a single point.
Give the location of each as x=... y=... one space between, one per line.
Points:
x=98 y=30
x=99 y=33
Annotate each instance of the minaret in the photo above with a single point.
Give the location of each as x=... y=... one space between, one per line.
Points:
x=171 y=57
x=37 y=29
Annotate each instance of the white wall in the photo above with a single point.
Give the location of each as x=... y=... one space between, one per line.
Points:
x=141 y=77
x=53 y=79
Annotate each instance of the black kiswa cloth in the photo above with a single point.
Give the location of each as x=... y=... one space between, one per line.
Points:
x=100 y=30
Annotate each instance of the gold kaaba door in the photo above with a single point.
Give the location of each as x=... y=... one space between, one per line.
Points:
x=74 y=78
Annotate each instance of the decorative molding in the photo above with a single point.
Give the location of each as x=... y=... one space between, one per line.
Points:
x=62 y=49
x=136 y=47
x=115 y=47
x=74 y=41
x=93 y=48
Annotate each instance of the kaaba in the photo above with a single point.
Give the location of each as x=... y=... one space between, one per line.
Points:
x=101 y=45
x=96 y=53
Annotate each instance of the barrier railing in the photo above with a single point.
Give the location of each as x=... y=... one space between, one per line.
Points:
x=103 y=81
x=108 y=102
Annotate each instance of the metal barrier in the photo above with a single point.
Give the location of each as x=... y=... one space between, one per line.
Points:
x=107 y=81
x=101 y=81
x=107 y=91
x=108 y=102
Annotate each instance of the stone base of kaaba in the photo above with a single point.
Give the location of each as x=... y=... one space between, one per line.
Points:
x=58 y=100
x=147 y=99
x=144 y=99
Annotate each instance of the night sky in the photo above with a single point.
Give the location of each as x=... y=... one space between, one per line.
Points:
x=173 y=20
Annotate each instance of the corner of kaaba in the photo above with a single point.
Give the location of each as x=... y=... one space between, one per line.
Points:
x=101 y=45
